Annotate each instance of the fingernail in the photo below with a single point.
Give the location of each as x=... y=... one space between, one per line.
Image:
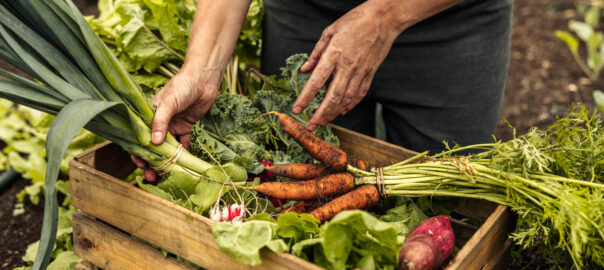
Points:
x=297 y=109
x=157 y=136
x=312 y=127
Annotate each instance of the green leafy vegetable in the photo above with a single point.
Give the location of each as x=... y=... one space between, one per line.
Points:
x=351 y=238
x=236 y=129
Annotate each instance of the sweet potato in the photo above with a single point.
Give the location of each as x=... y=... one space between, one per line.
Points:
x=429 y=245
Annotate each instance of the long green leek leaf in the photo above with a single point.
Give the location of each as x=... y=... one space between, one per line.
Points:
x=43 y=72
x=118 y=77
x=35 y=86
x=66 y=125
x=27 y=96
x=52 y=56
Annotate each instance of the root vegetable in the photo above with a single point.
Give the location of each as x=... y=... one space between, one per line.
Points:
x=359 y=198
x=359 y=163
x=329 y=185
x=429 y=245
x=331 y=156
x=302 y=207
x=300 y=171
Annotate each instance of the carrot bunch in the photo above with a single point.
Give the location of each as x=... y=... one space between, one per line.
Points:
x=310 y=184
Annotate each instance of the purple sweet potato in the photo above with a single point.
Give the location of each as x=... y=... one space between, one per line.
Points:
x=429 y=245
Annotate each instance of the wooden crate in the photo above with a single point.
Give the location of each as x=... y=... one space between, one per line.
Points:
x=111 y=211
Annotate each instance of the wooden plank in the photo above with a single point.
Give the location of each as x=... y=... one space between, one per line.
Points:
x=476 y=209
x=85 y=265
x=463 y=232
x=108 y=158
x=486 y=243
x=108 y=248
x=499 y=261
x=159 y=222
x=379 y=153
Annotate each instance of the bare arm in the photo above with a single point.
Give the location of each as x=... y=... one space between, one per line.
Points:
x=190 y=94
x=352 y=49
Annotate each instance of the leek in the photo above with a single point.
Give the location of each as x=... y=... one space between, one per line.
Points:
x=81 y=82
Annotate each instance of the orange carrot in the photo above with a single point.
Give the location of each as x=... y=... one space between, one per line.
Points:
x=359 y=198
x=328 y=154
x=302 y=207
x=359 y=163
x=332 y=184
x=301 y=171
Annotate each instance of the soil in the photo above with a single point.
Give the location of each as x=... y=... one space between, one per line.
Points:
x=16 y=232
x=544 y=81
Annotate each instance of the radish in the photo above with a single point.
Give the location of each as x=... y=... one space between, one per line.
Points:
x=234 y=211
x=429 y=245
x=215 y=214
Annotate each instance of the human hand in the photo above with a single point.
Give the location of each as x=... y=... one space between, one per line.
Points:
x=351 y=49
x=179 y=105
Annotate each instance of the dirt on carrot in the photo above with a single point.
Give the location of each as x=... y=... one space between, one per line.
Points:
x=333 y=184
x=360 y=198
x=300 y=171
x=331 y=156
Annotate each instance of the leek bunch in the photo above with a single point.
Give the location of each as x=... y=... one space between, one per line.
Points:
x=83 y=84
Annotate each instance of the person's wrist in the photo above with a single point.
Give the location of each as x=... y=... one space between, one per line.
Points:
x=393 y=17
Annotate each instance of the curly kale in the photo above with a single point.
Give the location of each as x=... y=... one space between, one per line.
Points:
x=237 y=129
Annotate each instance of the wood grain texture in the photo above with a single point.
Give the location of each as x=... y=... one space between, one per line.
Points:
x=159 y=222
x=379 y=153
x=109 y=249
x=486 y=243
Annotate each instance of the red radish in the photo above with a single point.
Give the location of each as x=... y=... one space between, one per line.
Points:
x=234 y=211
x=429 y=245
x=269 y=175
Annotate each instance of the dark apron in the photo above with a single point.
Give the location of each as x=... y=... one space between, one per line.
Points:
x=443 y=79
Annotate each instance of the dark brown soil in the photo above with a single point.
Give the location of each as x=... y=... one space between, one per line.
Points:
x=16 y=232
x=543 y=81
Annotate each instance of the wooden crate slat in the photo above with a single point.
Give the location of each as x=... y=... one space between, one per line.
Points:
x=159 y=222
x=377 y=152
x=110 y=249
x=486 y=243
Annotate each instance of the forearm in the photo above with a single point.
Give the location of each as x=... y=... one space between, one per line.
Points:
x=400 y=14
x=214 y=33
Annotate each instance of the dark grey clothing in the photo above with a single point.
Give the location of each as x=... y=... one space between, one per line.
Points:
x=442 y=80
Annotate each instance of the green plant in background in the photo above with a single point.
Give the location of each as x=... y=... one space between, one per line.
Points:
x=587 y=32
x=150 y=38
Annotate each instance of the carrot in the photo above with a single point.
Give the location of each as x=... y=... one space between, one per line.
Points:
x=332 y=184
x=301 y=171
x=287 y=179
x=322 y=151
x=359 y=163
x=359 y=198
x=302 y=207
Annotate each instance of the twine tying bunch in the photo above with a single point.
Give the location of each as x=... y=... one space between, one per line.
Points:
x=379 y=181
x=165 y=167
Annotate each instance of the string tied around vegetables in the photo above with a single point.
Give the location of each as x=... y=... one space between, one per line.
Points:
x=165 y=167
x=379 y=181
